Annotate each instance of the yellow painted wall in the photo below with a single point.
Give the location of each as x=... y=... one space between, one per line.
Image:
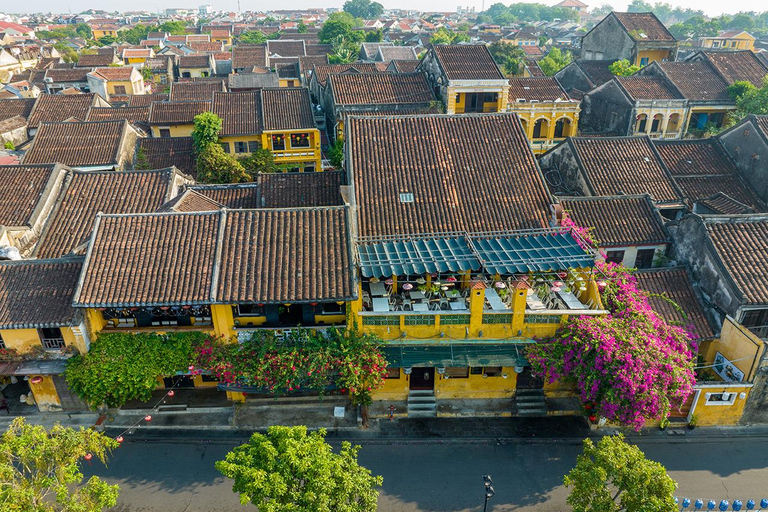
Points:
x=530 y=113
x=179 y=130
x=285 y=157
x=45 y=393
x=243 y=138
x=652 y=55
x=289 y=83
x=477 y=386
x=738 y=345
x=129 y=87
x=393 y=389
x=136 y=60
x=743 y=42
x=716 y=415
x=21 y=340
x=99 y=33
x=195 y=72
x=223 y=321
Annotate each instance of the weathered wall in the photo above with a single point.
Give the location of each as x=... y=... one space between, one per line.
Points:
x=606 y=110
x=750 y=152
x=562 y=158
x=607 y=41
x=756 y=408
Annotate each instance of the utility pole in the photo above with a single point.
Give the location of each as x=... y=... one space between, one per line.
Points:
x=489 y=491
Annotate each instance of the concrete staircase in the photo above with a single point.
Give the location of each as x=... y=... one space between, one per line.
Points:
x=530 y=403
x=422 y=404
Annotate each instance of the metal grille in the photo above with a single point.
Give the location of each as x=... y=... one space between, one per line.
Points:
x=543 y=319
x=497 y=319
x=454 y=319
x=420 y=320
x=382 y=320
x=53 y=343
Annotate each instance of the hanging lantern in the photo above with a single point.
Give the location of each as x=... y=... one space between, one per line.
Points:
x=556 y=289
x=148 y=417
x=558 y=284
x=119 y=439
x=171 y=393
x=37 y=379
x=88 y=456
x=451 y=279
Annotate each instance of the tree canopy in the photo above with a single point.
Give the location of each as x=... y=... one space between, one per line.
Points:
x=252 y=37
x=289 y=470
x=207 y=128
x=750 y=99
x=623 y=68
x=364 y=9
x=555 y=61
x=502 y=15
x=507 y=56
x=444 y=36
x=340 y=24
x=40 y=469
x=614 y=476
x=216 y=166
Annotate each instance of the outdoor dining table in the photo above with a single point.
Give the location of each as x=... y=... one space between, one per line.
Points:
x=420 y=306
x=494 y=300
x=570 y=300
x=380 y=304
x=453 y=294
x=378 y=290
x=458 y=306
x=417 y=295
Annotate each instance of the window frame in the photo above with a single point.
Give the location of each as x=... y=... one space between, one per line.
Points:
x=281 y=141
x=456 y=372
x=165 y=132
x=610 y=256
x=309 y=142
x=241 y=147
x=711 y=398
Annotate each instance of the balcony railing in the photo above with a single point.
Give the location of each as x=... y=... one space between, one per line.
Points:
x=53 y=343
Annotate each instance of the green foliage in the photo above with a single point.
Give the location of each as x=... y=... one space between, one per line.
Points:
x=252 y=37
x=336 y=153
x=302 y=28
x=9 y=145
x=615 y=476
x=275 y=35
x=364 y=9
x=444 y=36
x=752 y=100
x=555 y=61
x=146 y=74
x=206 y=131
x=503 y=15
x=288 y=470
x=136 y=34
x=107 y=40
x=341 y=24
x=67 y=53
x=623 y=68
x=343 y=51
x=123 y=366
x=261 y=160
x=141 y=160
x=216 y=166
x=40 y=469
x=175 y=28
x=739 y=89
x=602 y=11
x=507 y=56
x=374 y=36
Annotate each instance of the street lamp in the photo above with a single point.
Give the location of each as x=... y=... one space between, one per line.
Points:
x=489 y=491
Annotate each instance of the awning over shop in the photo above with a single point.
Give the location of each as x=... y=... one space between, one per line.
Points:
x=455 y=355
x=516 y=252
x=52 y=367
x=416 y=256
x=533 y=253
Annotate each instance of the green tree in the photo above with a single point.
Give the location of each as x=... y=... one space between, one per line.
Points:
x=83 y=31
x=623 y=68
x=336 y=153
x=363 y=9
x=752 y=100
x=252 y=37
x=302 y=28
x=206 y=131
x=107 y=40
x=136 y=34
x=40 y=469
x=175 y=28
x=555 y=61
x=261 y=160
x=289 y=470
x=216 y=166
x=739 y=89
x=444 y=36
x=602 y=11
x=146 y=74
x=507 y=56
x=374 y=36
x=340 y=24
x=614 y=476
x=343 y=51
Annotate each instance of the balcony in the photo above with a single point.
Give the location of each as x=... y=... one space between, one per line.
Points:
x=157 y=317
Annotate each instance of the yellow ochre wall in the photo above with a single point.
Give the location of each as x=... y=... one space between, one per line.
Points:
x=477 y=386
x=178 y=130
x=314 y=155
x=457 y=106
x=46 y=396
x=23 y=340
x=653 y=56
x=717 y=415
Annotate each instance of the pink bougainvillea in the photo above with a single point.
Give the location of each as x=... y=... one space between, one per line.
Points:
x=631 y=364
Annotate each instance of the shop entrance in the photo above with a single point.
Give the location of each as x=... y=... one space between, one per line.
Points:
x=422 y=378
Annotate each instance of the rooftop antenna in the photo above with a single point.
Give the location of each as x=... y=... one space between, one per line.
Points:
x=238 y=6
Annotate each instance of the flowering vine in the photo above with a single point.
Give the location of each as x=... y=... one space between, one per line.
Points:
x=628 y=366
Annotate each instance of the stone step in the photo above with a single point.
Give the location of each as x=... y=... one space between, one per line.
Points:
x=531 y=405
x=422 y=407
x=422 y=414
x=421 y=399
x=421 y=392
x=529 y=392
x=532 y=412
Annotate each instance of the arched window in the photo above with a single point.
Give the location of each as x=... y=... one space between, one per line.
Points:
x=540 y=129
x=673 y=125
x=658 y=122
x=524 y=122
x=642 y=122
x=563 y=128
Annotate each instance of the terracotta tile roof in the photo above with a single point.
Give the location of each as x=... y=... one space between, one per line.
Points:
x=288 y=71
x=644 y=26
x=286 y=108
x=294 y=255
x=195 y=61
x=196 y=91
x=205 y=46
x=405 y=66
x=380 y=88
x=618 y=221
x=249 y=56
x=54 y=108
x=322 y=72
x=170 y=151
x=738 y=66
x=38 y=294
x=133 y=53
x=596 y=70
x=648 y=88
x=741 y=242
x=466 y=173
x=533 y=68
x=115 y=73
x=286 y=48
x=370 y=48
x=130 y=114
x=310 y=61
x=221 y=33
x=90 y=192
x=318 y=49
x=144 y=100
x=279 y=190
x=697 y=80
x=95 y=60
x=156 y=259
x=197 y=37
x=624 y=165
x=538 y=89
x=176 y=112
x=191 y=201
x=74 y=75
x=467 y=62
x=13 y=108
x=239 y=111
x=388 y=53
x=22 y=190
x=723 y=204
x=674 y=284
x=78 y=144
x=696 y=188
x=762 y=124
x=157 y=63
x=694 y=157
x=262 y=256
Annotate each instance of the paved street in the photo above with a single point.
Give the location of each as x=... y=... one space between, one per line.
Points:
x=437 y=476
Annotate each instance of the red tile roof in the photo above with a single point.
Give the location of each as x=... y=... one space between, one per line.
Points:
x=53 y=108
x=287 y=108
x=694 y=157
x=170 y=151
x=537 y=89
x=738 y=66
x=23 y=188
x=176 y=112
x=95 y=60
x=467 y=62
x=14 y=107
x=130 y=114
x=116 y=73
x=143 y=100
x=78 y=144
x=240 y=112
x=466 y=173
x=380 y=88
x=286 y=48
x=648 y=88
x=644 y=26
x=249 y=56
x=321 y=73
x=697 y=80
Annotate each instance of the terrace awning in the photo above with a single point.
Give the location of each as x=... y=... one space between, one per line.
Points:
x=520 y=252
x=456 y=355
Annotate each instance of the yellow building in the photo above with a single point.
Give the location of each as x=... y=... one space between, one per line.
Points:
x=175 y=118
x=196 y=66
x=223 y=36
x=100 y=31
x=467 y=78
x=137 y=56
x=39 y=324
x=116 y=81
x=277 y=119
x=546 y=112
x=730 y=40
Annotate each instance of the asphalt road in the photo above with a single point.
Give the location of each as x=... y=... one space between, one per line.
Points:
x=446 y=476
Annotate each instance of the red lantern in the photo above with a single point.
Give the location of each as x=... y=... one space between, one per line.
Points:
x=88 y=456
x=593 y=418
x=36 y=379
x=148 y=417
x=119 y=439
x=171 y=393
